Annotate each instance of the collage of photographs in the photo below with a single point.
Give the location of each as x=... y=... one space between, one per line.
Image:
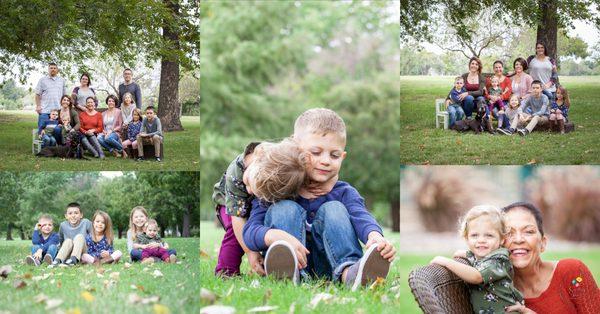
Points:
x=263 y=156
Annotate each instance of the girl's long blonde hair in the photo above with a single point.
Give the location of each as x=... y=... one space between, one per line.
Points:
x=108 y=231
x=132 y=226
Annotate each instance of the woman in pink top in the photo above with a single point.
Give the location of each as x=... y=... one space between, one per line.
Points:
x=521 y=81
x=112 y=122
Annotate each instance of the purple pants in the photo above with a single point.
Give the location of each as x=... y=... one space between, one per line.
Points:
x=231 y=252
x=159 y=252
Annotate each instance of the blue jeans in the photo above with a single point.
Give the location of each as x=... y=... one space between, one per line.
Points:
x=48 y=140
x=111 y=142
x=51 y=250
x=549 y=94
x=332 y=242
x=469 y=104
x=455 y=113
x=136 y=254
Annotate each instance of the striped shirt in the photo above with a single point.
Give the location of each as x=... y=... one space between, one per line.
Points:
x=51 y=89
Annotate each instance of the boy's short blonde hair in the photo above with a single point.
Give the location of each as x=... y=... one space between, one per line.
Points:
x=320 y=121
x=45 y=217
x=151 y=222
x=492 y=212
x=279 y=171
x=459 y=78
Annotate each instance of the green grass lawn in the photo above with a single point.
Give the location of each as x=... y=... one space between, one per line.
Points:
x=246 y=292
x=182 y=149
x=177 y=289
x=422 y=143
x=409 y=262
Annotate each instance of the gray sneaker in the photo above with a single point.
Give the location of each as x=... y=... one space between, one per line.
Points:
x=281 y=261
x=55 y=263
x=523 y=132
x=365 y=271
x=29 y=260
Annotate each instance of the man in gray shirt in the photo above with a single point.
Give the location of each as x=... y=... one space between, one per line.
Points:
x=536 y=107
x=48 y=92
x=151 y=133
x=129 y=86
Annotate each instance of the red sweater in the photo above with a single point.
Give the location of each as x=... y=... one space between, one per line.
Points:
x=503 y=85
x=90 y=122
x=572 y=290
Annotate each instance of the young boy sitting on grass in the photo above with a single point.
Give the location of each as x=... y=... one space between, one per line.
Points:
x=45 y=242
x=319 y=231
x=72 y=234
x=151 y=133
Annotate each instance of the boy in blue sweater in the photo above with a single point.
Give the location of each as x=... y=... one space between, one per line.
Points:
x=45 y=242
x=47 y=129
x=318 y=232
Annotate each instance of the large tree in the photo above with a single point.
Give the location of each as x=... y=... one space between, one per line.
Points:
x=71 y=32
x=547 y=16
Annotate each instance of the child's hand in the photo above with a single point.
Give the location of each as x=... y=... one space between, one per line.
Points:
x=256 y=263
x=317 y=189
x=104 y=254
x=460 y=253
x=154 y=245
x=439 y=260
x=165 y=245
x=385 y=248
x=38 y=254
x=520 y=308
x=301 y=251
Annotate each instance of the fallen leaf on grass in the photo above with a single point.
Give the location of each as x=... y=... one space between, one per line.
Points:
x=207 y=296
x=134 y=299
x=53 y=303
x=43 y=277
x=203 y=254
x=320 y=297
x=87 y=296
x=109 y=283
x=99 y=275
x=217 y=309
x=254 y=284
x=157 y=273
x=126 y=265
x=27 y=276
x=40 y=298
x=18 y=284
x=292 y=308
x=345 y=300
x=114 y=276
x=5 y=270
x=137 y=287
x=379 y=282
x=160 y=309
x=260 y=309
x=532 y=162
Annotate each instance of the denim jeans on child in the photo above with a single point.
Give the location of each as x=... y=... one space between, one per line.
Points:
x=455 y=113
x=111 y=142
x=51 y=250
x=331 y=239
x=48 y=140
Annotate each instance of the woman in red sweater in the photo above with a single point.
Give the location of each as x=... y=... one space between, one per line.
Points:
x=90 y=126
x=565 y=286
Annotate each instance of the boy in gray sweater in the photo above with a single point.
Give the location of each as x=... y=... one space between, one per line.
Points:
x=151 y=133
x=72 y=234
x=537 y=106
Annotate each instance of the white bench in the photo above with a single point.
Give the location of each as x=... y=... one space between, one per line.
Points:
x=441 y=115
x=36 y=142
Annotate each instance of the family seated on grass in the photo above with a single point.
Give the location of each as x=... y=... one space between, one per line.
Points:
x=520 y=104
x=118 y=127
x=79 y=240
x=505 y=272
x=283 y=206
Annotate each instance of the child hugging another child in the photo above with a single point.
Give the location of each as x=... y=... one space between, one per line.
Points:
x=72 y=233
x=137 y=220
x=100 y=241
x=318 y=231
x=490 y=273
x=269 y=171
x=45 y=242
x=155 y=247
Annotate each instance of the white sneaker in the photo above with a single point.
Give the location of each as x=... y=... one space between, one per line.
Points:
x=281 y=261
x=371 y=266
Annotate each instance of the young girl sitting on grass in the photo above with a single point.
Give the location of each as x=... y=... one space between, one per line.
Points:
x=100 y=241
x=490 y=273
x=133 y=129
x=137 y=220
x=559 y=110
x=509 y=119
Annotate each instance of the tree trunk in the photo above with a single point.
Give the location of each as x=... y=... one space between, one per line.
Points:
x=162 y=231
x=9 y=232
x=169 y=108
x=395 y=215
x=185 y=229
x=119 y=233
x=547 y=30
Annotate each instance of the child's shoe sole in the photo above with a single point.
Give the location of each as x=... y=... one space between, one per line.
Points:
x=372 y=265
x=48 y=259
x=281 y=261
x=29 y=260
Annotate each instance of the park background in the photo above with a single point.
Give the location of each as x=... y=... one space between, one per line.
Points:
x=437 y=40
x=434 y=197
x=171 y=198
x=263 y=63
x=158 y=40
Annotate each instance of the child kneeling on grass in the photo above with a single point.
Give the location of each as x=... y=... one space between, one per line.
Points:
x=45 y=242
x=155 y=245
x=318 y=232
x=269 y=171
x=490 y=273
x=100 y=241
x=72 y=234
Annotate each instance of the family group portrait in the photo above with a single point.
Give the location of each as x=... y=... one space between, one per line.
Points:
x=105 y=237
x=533 y=248
x=481 y=81
x=100 y=95
x=294 y=214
